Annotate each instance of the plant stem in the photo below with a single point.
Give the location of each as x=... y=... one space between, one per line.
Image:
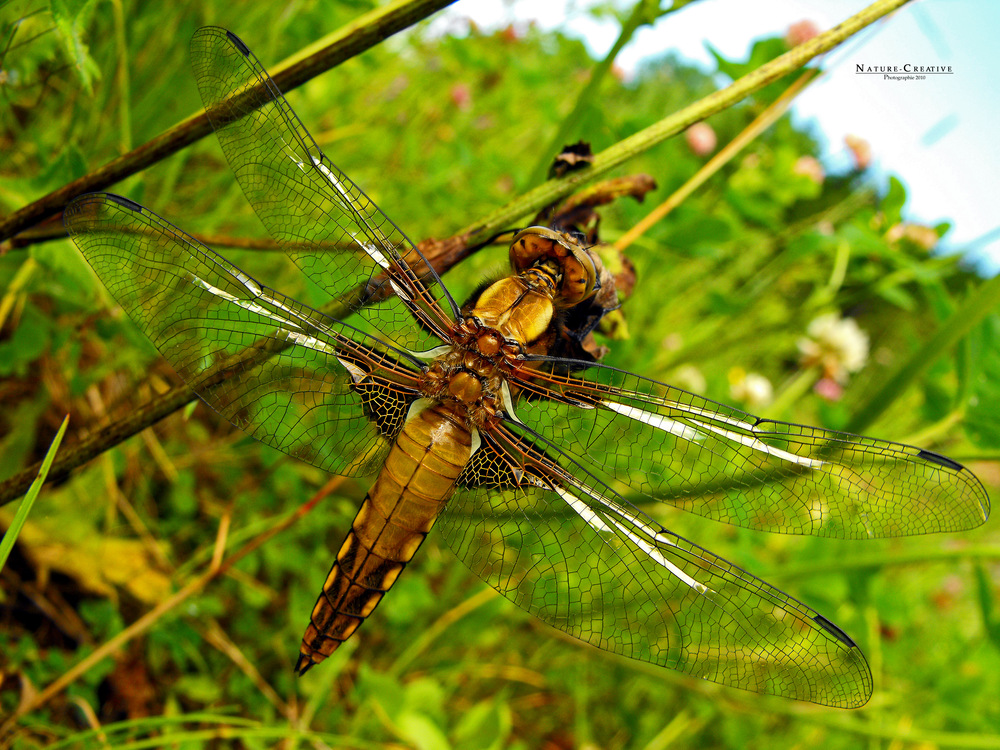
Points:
x=614 y=156
x=503 y=218
x=761 y=123
x=348 y=41
x=645 y=12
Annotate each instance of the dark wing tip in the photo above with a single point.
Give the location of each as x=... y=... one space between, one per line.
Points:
x=937 y=458
x=836 y=632
x=238 y=43
x=81 y=212
x=969 y=478
x=130 y=205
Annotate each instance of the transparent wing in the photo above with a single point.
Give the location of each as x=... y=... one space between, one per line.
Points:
x=725 y=464
x=575 y=554
x=331 y=229
x=286 y=374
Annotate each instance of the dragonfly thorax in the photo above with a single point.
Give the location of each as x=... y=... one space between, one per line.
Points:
x=517 y=307
x=471 y=374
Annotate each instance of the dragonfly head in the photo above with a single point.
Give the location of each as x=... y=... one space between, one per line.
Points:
x=559 y=255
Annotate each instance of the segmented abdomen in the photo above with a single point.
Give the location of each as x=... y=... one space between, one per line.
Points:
x=416 y=481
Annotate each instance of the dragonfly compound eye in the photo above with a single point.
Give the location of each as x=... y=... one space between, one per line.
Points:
x=545 y=248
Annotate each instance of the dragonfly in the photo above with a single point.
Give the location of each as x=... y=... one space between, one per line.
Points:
x=530 y=464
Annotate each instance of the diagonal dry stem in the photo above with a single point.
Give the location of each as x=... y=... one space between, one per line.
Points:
x=761 y=123
x=528 y=204
x=348 y=41
x=144 y=623
x=616 y=155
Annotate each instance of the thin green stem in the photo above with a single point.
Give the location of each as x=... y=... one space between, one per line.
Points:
x=553 y=190
x=645 y=12
x=914 y=737
x=124 y=86
x=10 y=535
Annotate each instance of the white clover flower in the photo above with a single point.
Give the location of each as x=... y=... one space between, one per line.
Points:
x=751 y=388
x=836 y=345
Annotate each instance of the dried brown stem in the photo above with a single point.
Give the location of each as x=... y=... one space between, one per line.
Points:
x=445 y=254
x=345 y=43
x=144 y=623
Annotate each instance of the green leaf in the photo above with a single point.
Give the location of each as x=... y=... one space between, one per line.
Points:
x=17 y=444
x=29 y=342
x=698 y=234
x=10 y=535
x=981 y=423
x=892 y=203
x=383 y=689
x=200 y=688
x=103 y=617
x=422 y=731
x=984 y=589
x=485 y=726
x=71 y=18
x=426 y=696
x=898 y=296
x=68 y=270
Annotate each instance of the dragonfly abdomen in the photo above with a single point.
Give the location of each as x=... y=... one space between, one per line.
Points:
x=416 y=481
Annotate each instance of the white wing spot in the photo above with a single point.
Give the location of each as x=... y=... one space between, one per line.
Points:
x=437 y=351
x=597 y=523
x=252 y=286
x=583 y=510
x=310 y=342
x=683 y=431
x=213 y=289
x=396 y=287
x=508 y=402
x=655 y=555
x=245 y=304
x=687 y=432
x=356 y=373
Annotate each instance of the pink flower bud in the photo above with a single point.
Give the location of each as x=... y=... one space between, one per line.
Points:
x=511 y=34
x=811 y=168
x=700 y=138
x=461 y=96
x=861 y=150
x=801 y=32
x=829 y=389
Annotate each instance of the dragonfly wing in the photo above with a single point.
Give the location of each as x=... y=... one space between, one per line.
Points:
x=338 y=237
x=575 y=554
x=711 y=459
x=286 y=374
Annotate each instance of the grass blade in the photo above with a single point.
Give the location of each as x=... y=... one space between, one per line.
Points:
x=10 y=536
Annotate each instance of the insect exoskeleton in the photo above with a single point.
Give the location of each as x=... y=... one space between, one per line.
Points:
x=562 y=255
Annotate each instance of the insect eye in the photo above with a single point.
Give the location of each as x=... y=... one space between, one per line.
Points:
x=542 y=246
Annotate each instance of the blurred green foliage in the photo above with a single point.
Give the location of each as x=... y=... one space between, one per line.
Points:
x=441 y=130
